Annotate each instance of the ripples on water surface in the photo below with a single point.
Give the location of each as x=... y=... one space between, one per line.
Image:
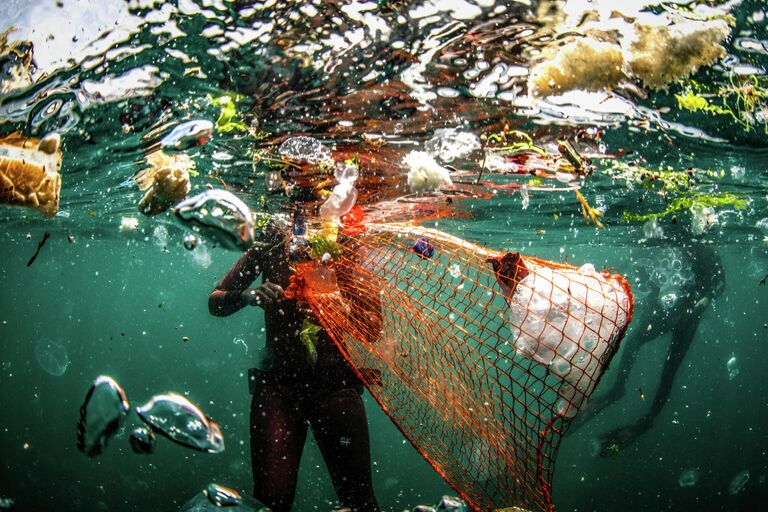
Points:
x=113 y=295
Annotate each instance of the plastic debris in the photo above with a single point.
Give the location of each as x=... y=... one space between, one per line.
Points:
x=166 y=181
x=739 y=482
x=103 y=410
x=304 y=150
x=343 y=196
x=219 y=215
x=448 y=144
x=190 y=242
x=201 y=502
x=142 y=440
x=567 y=320
x=222 y=496
x=187 y=135
x=181 y=421
x=29 y=172
x=52 y=357
x=16 y=63
x=451 y=504
x=40 y=245
x=425 y=175
x=702 y=218
x=128 y=224
x=688 y=478
x=424 y=248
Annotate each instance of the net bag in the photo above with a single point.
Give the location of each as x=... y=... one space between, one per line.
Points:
x=481 y=358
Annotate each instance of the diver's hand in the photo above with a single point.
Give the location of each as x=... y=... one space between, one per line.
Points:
x=266 y=295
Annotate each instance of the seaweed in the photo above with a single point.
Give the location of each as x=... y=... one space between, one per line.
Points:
x=309 y=335
x=229 y=119
x=321 y=245
x=589 y=212
x=688 y=201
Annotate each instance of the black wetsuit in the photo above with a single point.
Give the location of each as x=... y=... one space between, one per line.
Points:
x=295 y=390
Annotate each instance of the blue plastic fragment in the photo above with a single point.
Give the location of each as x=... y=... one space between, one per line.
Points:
x=424 y=248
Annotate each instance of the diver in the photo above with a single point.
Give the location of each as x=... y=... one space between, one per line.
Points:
x=298 y=386
x=698 y=278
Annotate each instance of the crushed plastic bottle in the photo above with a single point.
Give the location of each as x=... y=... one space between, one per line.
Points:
x=451 y=504
x=181 y=421
x=732 y=366
x=739 y=482
x=219 y=215
x=222 y=496
x=142 y=440
x=304 y=150
x=688 y=478
x=103 y=411
x=187 y=135
x=448 y=144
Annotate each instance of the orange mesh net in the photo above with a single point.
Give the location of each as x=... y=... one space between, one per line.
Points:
x=479 y=357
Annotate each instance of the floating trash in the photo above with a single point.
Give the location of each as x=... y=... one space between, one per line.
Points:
x=103 y=410
x=424 y=248
x=739 y=482
x=304 y=150
x=181 y=421
x=29 y=172
x=187 y=135
x=142 y=440
x=222 y=496
x=220 y=215
x=203 y=502
x=732 y=366
x=190 y=242
x=166 y=181
x=52 y=356
x=688 y=478
x=425 y=175
x=451 y=504
x=160 y=236
x=448 y=144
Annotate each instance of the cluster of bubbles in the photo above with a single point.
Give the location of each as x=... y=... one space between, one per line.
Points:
x=173 y=416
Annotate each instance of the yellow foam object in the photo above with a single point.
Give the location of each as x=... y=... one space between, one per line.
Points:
x=166 y=180
x=29 y=172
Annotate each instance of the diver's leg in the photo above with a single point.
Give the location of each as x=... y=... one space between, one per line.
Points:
x=682 y=336
x=341 y=430
x=278 y=433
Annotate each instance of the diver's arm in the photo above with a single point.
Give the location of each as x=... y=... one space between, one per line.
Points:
x=232 y=294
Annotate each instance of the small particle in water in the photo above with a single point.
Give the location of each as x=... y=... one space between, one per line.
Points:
x=222 y=496
x=739 y=482
x=240 y=341
x=668 y=300
x=71 y=239
x=185 y=338
x=52 y=356
x=202 y=256
x=688 y=478
x=190 y=242
x=142 y=440
x=732 y=366
x=103 y=410
x=455 y=271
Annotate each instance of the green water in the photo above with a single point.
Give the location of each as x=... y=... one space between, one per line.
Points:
x=132 y=304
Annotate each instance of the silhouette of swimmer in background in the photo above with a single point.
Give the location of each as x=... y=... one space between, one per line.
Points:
x=694 y=275
x=297 y=387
